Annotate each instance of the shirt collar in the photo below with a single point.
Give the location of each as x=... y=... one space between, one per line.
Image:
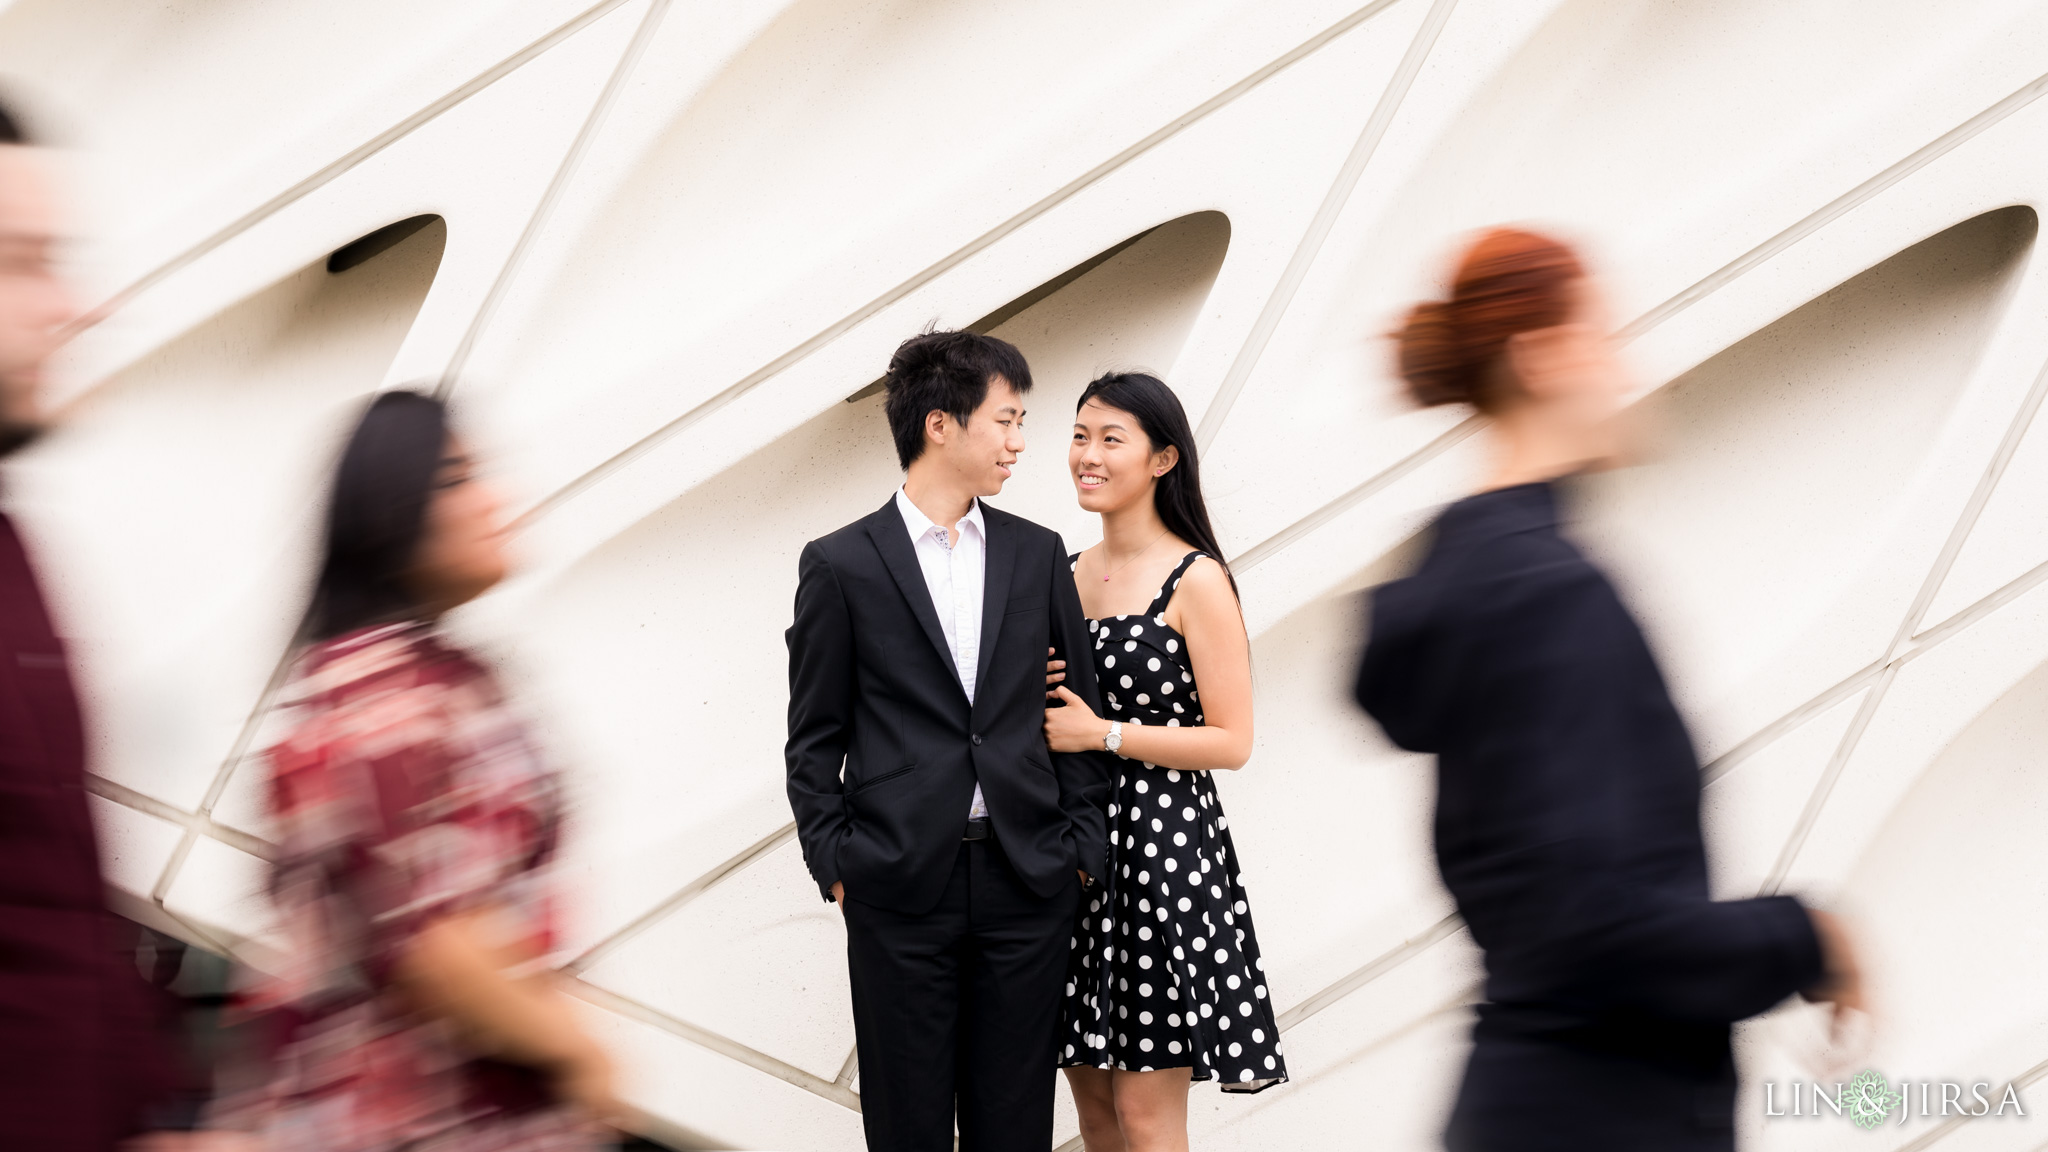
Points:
x=919 y=524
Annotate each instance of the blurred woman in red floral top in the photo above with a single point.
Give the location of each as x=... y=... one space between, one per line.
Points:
x=417 y=827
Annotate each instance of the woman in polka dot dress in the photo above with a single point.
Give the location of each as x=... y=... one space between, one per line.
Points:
x=1165 y=985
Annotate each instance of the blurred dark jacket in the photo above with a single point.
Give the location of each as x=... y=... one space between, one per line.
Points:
x=1568 y=830
x=80 y=1058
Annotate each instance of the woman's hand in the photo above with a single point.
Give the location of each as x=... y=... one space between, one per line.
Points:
x=1055 y=671
x=1074 y=728
x=585 y=1080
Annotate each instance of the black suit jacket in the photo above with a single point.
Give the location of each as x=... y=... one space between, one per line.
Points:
x=873 y=690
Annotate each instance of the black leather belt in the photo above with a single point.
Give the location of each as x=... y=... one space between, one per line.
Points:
x=977 y=829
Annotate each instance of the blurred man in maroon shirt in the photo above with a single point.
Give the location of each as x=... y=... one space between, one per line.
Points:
x=79 y=1057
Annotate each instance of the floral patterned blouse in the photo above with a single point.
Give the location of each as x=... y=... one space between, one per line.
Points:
x=405 y=790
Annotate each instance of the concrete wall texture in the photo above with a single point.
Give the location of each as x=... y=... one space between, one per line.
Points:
x=677 y=240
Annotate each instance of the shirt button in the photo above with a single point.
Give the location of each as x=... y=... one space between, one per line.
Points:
x=977 y=739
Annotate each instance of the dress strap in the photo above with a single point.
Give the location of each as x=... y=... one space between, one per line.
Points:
x=1166 y=590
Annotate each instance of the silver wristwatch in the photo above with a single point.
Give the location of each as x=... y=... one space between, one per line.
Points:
x=1113 y=740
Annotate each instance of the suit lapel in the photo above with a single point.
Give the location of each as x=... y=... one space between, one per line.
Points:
x=892 y=540
x=1001 y=561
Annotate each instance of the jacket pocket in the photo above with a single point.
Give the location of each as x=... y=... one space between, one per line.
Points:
x=884 y=778
x=1031 y=603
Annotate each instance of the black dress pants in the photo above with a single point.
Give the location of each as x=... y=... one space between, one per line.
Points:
x=960 y=1006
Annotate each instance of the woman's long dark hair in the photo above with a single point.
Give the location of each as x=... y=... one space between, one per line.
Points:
x=1177 y=495
x=377 y=514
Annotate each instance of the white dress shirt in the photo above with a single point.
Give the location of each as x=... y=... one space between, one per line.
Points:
x=954 y=573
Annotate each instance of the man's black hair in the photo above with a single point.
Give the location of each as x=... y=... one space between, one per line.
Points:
x=945 y=372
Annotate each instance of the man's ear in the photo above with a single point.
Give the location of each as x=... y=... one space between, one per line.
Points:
x=935 y=426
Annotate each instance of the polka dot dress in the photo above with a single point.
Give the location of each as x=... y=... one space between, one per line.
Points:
x=1165 y=970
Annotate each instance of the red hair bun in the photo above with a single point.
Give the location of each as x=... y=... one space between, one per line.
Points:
x=1509 y=281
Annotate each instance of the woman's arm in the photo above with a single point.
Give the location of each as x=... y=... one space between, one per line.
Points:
x=1220 y=655
x=454 y=972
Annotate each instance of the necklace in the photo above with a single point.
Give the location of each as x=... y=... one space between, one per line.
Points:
x=1134 y=556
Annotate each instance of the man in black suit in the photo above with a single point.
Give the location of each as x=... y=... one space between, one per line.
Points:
x=955 y=843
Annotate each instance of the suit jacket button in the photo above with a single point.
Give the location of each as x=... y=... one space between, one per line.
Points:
x=977 y=739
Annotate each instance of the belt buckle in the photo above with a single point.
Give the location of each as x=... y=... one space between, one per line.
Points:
x=977 y=829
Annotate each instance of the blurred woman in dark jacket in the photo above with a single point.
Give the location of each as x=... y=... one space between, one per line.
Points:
x=1567 y=820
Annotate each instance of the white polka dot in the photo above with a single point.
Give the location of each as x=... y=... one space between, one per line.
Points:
x=1184 y=905
x=1144 y=989
x=1236 y=1049
x=1173 y=1046
x=1144 y=961
x=1165 y=801
x=1180 y=838
x=1171 y=645
x=1155 y=824
x=1144 y=699
x=1144 y=1045
x=1244 y=1075
x=1130 y=645
x=1221 y=956
x=1166 y=687
x=1109 y=661
x=1244 y=1008
x=1151 y=849
x=1144 y=933
x=1125 y=681
x=1187 y=814
x=1269 y=1063
x=1141 y=786
x=1137 y=629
